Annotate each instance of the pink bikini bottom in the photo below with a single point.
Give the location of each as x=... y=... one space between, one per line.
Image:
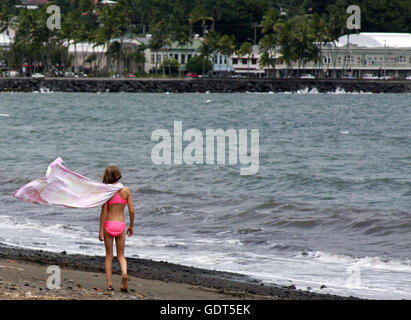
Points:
x=114 y=228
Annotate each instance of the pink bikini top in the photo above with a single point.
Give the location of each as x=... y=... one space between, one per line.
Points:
x=116 y=199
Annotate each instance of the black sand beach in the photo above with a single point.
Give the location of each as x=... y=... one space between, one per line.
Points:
x=23 y=276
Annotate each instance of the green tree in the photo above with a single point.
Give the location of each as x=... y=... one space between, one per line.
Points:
x=140 y=58
x=210 y=44
x=272 y=21
x=171 y=65
x=297 y=42
x=320 y=34
x=114 y=24
x=198 y=14
x=227 y=47
x=267 y=50
x=246 y=49
x=73 y=29
x=199 y=64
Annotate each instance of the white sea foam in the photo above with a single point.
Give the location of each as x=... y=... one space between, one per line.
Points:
x=45 y=90
x=52 y=229
x=379 y=263
x=381 y=278
x=306 y=90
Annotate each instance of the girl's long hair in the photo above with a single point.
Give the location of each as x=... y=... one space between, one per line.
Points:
x=111 y=175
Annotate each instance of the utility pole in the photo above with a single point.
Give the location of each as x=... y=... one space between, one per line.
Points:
x=255 y=25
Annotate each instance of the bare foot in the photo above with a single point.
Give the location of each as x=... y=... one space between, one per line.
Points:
x=110 y=287
x=124 y=282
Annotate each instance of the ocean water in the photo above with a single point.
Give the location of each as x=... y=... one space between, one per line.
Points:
x=330 y=204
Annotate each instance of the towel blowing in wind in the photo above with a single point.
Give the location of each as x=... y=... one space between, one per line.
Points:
x=65 y=188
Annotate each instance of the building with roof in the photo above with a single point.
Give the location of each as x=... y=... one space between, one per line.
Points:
x=247 y=64
x=222 y=64
x=174 y=50
x=367 y=53
x=5 y=40
x=32 y=4
x=87 y=57
x=35 y=2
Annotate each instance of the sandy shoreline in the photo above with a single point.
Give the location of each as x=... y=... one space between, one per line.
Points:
x=23 y=275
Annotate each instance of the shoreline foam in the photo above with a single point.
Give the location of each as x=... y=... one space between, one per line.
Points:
x=156 y=275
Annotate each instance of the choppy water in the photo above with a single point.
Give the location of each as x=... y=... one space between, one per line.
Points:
x=330 y=205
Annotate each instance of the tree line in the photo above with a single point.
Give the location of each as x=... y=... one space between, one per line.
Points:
x=289 y=30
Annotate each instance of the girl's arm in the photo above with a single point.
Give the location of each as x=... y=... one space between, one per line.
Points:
x=131 y=213
x=103 y=217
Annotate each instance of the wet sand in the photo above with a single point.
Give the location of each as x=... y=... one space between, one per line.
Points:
x=23 y=275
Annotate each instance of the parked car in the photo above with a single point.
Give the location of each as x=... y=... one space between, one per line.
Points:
x=192 y=75
x=58 y=73
x=12 y=73
x=81 y=75
x=38 y=75
x=348 y=77
x=369 y=76
x=131 y=76
x=307 y=76
x=70 y=75
x=408 y=78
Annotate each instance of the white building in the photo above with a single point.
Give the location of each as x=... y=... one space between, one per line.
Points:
x=5 y=41
x=181 y=53
x=84 y=50
x=247 y=64
x=222 y=64
x=379 y=54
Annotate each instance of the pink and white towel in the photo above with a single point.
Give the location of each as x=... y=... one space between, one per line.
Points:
x=65 y=188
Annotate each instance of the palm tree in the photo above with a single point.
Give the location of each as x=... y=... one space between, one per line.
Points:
x=336 y=26
x=198 y=14
x=32 y=37
x=72 y=27
x=110 y=28
x=156 y=42
x=5 y=18
x=183 y=37
x=123 y=14
x=227 y=46
x=214 y=42
x=206 y=50
x=272 y=21
x=139 y=56
x=246 y=49
x=114 y=51
x=87 y=6
x=298 y=42
x=287 y=45
x=267 y=49
x=271 y=24
x=163 y=38
x=319 y=31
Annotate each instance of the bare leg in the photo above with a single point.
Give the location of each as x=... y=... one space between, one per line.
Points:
x=120 y=244
x=108 y=242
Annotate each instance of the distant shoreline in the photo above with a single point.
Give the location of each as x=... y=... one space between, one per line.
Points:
x=202 y=85
x=157 y=273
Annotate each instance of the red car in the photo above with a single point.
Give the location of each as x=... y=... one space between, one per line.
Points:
x=192 y=75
